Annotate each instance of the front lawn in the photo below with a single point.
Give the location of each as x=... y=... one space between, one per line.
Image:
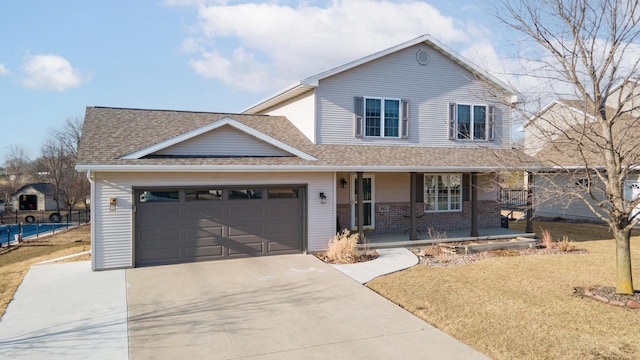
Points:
x=523 y=307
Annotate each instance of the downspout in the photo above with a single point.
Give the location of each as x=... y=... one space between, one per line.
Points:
x=92 y=193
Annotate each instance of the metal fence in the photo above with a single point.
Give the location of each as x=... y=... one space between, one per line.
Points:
x=15 y=226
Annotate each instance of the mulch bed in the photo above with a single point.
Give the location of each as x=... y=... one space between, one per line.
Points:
x=434 y=256
x=362 y=256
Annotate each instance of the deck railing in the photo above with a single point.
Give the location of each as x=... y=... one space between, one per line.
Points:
x=513 y=198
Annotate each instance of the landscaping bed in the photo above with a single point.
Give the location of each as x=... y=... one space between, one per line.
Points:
x=469 y=247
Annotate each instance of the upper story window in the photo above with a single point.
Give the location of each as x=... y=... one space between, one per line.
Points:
x=471 y=122
x=380 y=117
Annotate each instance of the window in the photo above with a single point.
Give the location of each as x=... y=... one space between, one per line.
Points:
x=283 y=193
x=443 y=192
x=471 y=122
x=241 y=194
x=159 y=196
x=203 y=195
x=379 y=117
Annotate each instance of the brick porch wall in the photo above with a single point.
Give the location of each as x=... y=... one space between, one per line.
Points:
x=394 y=217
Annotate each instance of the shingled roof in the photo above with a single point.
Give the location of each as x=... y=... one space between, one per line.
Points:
x=109 y=134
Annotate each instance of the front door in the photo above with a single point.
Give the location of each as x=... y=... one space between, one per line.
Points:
x=368 y=203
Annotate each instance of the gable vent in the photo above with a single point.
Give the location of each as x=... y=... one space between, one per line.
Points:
x=422 y=57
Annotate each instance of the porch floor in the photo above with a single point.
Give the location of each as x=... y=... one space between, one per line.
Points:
x=402 y=240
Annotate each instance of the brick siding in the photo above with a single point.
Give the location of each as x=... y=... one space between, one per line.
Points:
x=394 y=217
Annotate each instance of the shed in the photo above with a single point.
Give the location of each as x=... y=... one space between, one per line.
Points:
x=36 y=196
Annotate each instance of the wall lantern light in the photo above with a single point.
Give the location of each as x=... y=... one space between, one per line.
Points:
x=112 y=204
x=343 y=182
x=323 y=198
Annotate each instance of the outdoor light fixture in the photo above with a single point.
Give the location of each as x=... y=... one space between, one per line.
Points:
x=343 y=182
x=112 y=204
x=323 y=198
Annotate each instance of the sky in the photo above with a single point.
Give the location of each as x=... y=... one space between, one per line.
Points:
x=58 y=57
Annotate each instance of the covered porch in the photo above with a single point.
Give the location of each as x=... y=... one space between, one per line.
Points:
x=402 y=239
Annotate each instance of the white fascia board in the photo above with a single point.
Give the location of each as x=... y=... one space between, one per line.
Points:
x=214 y=125
x=290 y=168
x=557 y=102
x=313 y=81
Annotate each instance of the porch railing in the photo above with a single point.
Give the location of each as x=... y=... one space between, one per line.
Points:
x=513 y=198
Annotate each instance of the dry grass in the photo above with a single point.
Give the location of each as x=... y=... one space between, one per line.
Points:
x=523 y=307
x=342 y=248
x=15 y=264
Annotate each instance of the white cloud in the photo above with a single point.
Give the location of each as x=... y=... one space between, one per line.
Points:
x=3 y=70
x=266 y=46
x=50 y=72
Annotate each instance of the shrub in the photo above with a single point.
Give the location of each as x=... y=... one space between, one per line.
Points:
x=546 y=239
x=343 y=248
x=435 y=234
x=566 y=244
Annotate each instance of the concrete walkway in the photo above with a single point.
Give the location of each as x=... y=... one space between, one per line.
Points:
x=389 y=261
x=66 y=311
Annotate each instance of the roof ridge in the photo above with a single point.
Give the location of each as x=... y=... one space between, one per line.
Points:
x=178 y=111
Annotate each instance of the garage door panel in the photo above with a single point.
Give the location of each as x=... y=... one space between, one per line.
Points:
x=158 y=214
x=207 y=232
x=186 y=230
x=245 y=229
x=202 y=216
x=245 y=248
x=244 y=209
x=160 y=255
x=193 y=253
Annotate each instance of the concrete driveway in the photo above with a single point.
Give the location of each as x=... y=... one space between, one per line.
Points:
x=278 y=307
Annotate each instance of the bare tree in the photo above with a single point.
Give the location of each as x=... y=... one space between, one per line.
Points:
x=16 y=167
x=588 y=51
x=59 y=156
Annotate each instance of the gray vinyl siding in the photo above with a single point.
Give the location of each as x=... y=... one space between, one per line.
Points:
x=113 y=230
x=429 y=88
x=551 y=204
x=300 y=111
x=224 y=141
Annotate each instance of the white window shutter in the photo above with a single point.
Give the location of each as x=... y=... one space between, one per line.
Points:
x=452 y=121
x=491 y=123
x=405 y=119
x=358 y=111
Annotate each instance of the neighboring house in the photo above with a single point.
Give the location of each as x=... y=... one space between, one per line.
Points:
x=549 y=137
x=420 y=127
x=37 y=196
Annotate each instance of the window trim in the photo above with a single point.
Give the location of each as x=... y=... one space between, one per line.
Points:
x=489 y=121
x=436 y=210
x=382 y=117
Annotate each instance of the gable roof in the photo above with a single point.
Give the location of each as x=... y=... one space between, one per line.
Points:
x=311 y=82
x=43 y=188
x=581 y=143
x=112 y=135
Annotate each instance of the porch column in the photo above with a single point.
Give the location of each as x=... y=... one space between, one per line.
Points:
x=529 y=227
x=412 y=207
x=474 y=204
x=360 y=200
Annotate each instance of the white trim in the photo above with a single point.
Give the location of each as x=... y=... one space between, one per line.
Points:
x=288 y=168
x=214 y=125
x=352 y=201
x=382 y=117
x=553 y=103
x=472 y=123
x=424 y=184
x=313 y=81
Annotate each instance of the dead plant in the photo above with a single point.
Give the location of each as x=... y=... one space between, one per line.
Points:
x=546 y=239
x=342 y=248
x=436 y=234
x=566 y=244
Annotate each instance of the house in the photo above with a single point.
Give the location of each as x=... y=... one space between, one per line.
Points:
x=36 y=196
x=399 y=141
x=562 y=188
